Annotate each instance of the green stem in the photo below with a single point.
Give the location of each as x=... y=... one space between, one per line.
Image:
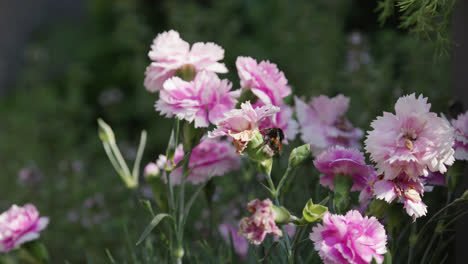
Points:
x=283 y=180
x=141 y=149
x=181 y=207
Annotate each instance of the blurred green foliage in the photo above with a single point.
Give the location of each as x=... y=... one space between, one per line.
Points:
x=76 y=73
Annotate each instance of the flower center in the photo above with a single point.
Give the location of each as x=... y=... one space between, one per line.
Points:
x=409 y=136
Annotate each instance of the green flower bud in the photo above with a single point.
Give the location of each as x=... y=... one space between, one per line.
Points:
x=282 y=215
x=313 y=212
x=299 y=155
x=105 y=132
x=179 y=253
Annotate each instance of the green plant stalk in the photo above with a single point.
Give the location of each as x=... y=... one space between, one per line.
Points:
x=275 y=195
x=411 y=246
x=181 y=207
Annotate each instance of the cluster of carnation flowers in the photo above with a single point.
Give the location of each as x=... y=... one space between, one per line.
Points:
x=410 y=148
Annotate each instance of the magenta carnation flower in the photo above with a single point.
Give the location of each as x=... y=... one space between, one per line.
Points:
x=242 y=124
x=203 y=100
x=170 y=53
x=240 y=244
x=323 y=123
x=349 y=239
x=408 y=190
x=208 y=159
x=414 y=140
x=260 y=223
x=348 y=162
x=19 y=225
x=461 y=136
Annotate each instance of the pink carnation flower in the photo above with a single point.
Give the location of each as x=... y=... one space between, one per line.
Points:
x=170 y=53
x=349 y=239
x=461 y=136
x=323 y=123
x=208 y=159
x=407 y=189
x=260 y=223
x=414 y=140
x=241 y=245
x=242 y=124
x=203 y=100
x=270 y=86
x=19 y=225
x=264 y=80
x=349 y=162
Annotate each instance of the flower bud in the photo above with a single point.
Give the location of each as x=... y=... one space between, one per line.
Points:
x=105 y=132
x=282 y=215
x=179 y=253
x=151 y=171
x=299 y=155
x=313 y=212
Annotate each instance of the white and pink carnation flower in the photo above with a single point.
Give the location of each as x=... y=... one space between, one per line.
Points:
x=261 y=223
x=170 y=53
x=342 y=161
x=413 y=141
x=203 y=100
x=407 y=190
x=323 y=123
x=243 y=124
x=208 y=159
x=19 y=225
x=351 y=238
x=461 y=136
x=270 y=86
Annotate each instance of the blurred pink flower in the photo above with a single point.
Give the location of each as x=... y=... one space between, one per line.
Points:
x=240 y=243
x=208 y=159
x=270 y=86
x=260 y=223
x=348 y=162
x=151 y=170
x=242 y=124
x=414 y=140
x=407 y=189
x=29 y=176
x=19 y=225
x=349 y=239
x=323 y=123
x=169 y=53
x=203 y=100
x=461 y=136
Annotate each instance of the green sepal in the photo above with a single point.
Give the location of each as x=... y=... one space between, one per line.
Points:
x=313 y=212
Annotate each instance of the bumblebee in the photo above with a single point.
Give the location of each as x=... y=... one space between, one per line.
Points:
x=272 y=138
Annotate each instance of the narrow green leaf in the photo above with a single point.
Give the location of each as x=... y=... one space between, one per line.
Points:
x=193 y=198
x=109 y=255
x=147 y=205
x=156 y=220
